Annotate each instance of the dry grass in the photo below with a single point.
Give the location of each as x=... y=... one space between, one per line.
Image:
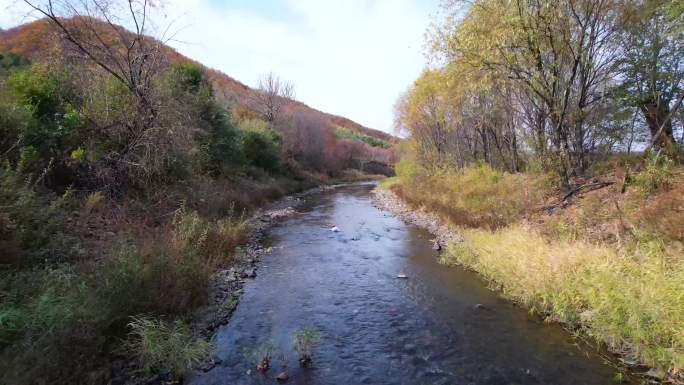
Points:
x=610 y=264
x=474 y=197
x=631 y=298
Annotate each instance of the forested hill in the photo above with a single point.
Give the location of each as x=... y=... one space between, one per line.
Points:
x=37 y=39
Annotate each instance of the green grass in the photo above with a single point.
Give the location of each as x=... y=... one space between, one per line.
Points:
x=371 y=141
x=158 y=344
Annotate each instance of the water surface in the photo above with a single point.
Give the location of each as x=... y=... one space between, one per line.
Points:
x=376 y=328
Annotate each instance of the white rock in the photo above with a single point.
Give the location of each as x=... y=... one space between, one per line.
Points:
x=404 y=276
x=335 y=229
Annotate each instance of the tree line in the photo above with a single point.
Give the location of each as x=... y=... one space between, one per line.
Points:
x=549 y=85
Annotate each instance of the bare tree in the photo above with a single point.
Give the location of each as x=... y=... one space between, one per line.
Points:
x=93 y=29
x=113 y=37
x=272 y=94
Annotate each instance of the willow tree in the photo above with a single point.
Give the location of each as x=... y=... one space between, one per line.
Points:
x=424 y=114
x=652 y=65
x=558 y=53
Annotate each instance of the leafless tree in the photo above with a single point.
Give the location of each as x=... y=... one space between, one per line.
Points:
x=114 y=37
x=94 y=30
x=272 y=94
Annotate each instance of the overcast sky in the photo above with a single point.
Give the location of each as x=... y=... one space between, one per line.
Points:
x=348 y=57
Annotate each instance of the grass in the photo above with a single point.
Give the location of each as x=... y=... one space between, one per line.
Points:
x=56 y=309
x=630 y=298
x=610 y=265
x=473 y=197
x=158 y=344
x=305 y=341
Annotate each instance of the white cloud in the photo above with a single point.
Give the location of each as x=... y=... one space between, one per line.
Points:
x=351 y=57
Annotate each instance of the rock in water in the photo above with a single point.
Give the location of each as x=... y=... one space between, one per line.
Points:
x=335 y=229
x=282 y=377
x=403 y=276
x=436 y=246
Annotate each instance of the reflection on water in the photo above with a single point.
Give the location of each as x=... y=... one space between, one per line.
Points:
x=376 y=328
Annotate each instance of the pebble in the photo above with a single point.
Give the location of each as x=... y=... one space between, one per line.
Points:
x=282 y=377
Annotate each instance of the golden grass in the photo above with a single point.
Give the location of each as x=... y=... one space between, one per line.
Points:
x=478 y=196
x=631 y=298
x=611 y=264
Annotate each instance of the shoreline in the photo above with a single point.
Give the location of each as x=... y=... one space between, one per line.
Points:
x=386 y=200
x=226 y=286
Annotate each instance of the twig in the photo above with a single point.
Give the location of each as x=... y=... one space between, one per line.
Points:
x=595 y=186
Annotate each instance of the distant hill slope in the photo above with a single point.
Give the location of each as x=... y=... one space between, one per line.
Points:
x=36 y=39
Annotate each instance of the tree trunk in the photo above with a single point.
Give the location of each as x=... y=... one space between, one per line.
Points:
x=657 y=115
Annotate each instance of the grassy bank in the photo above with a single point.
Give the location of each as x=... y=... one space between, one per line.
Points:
x=606 y=263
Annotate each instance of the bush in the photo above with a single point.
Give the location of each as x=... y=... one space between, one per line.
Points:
x=46 y=96
x=164 y=345
x=261 y=149
x=657 y=174
x=32 y=222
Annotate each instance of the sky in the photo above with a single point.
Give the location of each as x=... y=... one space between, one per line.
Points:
x=347 y=57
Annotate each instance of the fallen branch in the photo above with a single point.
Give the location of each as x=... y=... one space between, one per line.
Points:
x=594 y=186
x=564 y=200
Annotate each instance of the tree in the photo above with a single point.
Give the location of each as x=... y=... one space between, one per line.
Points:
x=93 y=30
x=560 y=56
x=271 y=95
x=652 y=66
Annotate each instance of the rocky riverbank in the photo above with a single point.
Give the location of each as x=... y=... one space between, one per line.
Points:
x=385 y=199
x=225 y=287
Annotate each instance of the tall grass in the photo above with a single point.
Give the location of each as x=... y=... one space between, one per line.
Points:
x=478 y=196
x=159 y=344
x=610 y=264
x=631 y=298
x=53 y=315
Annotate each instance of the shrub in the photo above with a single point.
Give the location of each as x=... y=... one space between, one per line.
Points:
x=10 y=61
x=657 y=174
x=220 y=144
x=261 y=149
x=46 y=96
x=165 y=345
x=371 y=141
x=174 y=263
x=34 y=222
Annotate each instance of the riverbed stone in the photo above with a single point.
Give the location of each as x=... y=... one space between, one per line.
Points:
x=282 y=377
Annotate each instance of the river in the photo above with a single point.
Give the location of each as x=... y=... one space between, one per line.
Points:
x=376 y=328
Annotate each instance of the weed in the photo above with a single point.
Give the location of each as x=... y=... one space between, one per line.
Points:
x=261 y=355
x=93 y=200
x=657 y=175
x=165 y=345
x=305 y=341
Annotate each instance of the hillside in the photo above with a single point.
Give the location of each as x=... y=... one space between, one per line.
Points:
x=132 y=186
x=37 y=39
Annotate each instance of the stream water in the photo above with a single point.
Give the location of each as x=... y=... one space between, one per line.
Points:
x=376 y=328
